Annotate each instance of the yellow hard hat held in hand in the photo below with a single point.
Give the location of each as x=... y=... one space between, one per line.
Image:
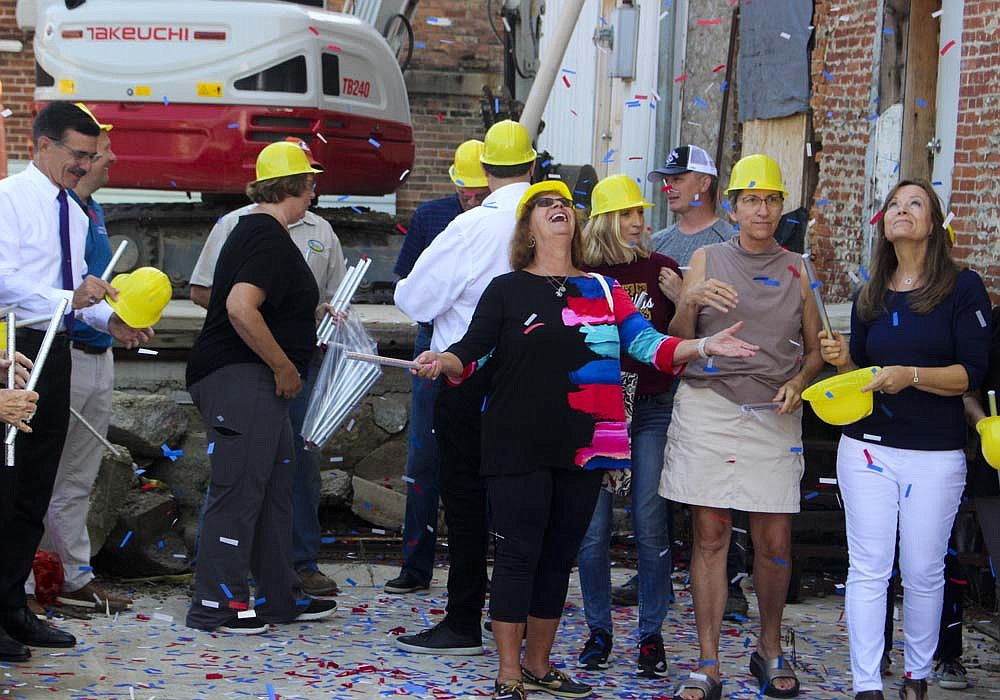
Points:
x=142 y=296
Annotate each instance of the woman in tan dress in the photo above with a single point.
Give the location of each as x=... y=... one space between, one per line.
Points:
x=736 y=436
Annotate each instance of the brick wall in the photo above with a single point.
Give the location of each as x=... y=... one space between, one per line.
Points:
x=975 y=197
x=844 y=42
x=17 y=71
x=843 y=48
x=466 y=46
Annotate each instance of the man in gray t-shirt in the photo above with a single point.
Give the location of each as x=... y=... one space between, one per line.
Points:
x=690 y=181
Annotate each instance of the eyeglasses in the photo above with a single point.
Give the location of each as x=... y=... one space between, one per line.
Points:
x=772 y=201
x=546 y=202
x=79 y=156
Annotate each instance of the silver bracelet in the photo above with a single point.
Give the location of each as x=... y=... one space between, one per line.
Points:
x=702 y=352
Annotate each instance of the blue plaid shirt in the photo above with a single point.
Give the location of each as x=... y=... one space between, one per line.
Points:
x=430 y=219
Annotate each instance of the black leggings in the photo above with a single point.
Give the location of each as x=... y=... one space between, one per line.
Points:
x=540 y=519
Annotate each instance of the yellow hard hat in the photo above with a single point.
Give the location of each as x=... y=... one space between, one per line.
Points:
x=557 y=187
x=83 y=107
x=467 y=171
x=989 y=439
x=839 y=399
x=142 y=296
x=616 y=193
x=282 y=158
x=756 y=172
x=507 y=143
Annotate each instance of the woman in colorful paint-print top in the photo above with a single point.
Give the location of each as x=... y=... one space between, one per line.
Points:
x=554 y=418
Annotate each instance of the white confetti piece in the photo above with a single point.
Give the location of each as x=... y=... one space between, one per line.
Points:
x=405 y=173
x=409 y=479
x=210 y=603
x=430 y=529
x=439 y=21
x=350 y=425
x=785 y=35
x=230 y=541
x=244 y=614
x=876 y=438
x=739 y=530
x=739 y=577
x=982 y=321
x=378 y=531
x=809 y=149
x=936 y=13
x=320 y=137
x=147 y=351
x=162 y=617
x=531 y=318
x=827 y=480
x=948 y=219
x=336 y=459
x=179 y=556
x=6 y=113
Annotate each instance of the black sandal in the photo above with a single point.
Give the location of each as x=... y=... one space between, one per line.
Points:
x=919 y=688
x=710 y=688
x=767 y=670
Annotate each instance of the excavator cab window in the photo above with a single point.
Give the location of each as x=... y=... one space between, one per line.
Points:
x=287 y=76
x=331 y=74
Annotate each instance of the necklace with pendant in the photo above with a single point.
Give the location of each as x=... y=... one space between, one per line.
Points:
x=558 y=285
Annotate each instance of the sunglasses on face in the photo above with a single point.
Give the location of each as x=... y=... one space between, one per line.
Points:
x=546 y=202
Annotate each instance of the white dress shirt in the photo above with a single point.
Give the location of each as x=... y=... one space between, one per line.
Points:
x=453 y=271
x=31 y=253
x=312 y=234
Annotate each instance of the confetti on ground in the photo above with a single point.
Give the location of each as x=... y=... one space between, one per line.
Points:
x=128 y=536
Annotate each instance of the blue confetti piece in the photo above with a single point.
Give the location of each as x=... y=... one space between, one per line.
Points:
x=159 y=545
x=632 y=103
x=779 y=561
x=711 y=369
x=226 y=591
x=420 y=44
x=368 y=506
x=128 y=536
x=826 y=74
x=700 y=102
x=816 y=285
x=864 y=273
x=483 y=409
x=567 y=70
x=796 y=450
x=351 y=582
x=725 y=84
x=375 y=143
x=921 y=102
x=829 y=394
x=211 y=448
x=546 y=163
x=895 y=318
x=166 y=100
x=86 y=568
x=694 y=204
x=822 y=202
x=875 y=468
x=328 y=540
x=772 y=283
x=270 y=692
x=725 y=205
x=908 y=487
x=496 y=105
x=356 y=210
x=260 y=601
x=810 y=496
x=886 y=411
x=937 y=183
x=793 y=221
x=234 y=125
x=609 y=155
x=303 y=603
x=759 y=279
x=172 y=454
x=871 y=117
x=829 y=115
x=952 y=552
x=752 y=184
x=888 y=31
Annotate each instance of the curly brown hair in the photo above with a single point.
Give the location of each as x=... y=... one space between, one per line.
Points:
x=939 y=272
x=278 y=188
x=522 y=245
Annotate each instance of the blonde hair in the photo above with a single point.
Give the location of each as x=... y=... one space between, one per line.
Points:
x=603 y=243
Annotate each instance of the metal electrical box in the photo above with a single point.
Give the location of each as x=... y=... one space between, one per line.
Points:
x=626 y=42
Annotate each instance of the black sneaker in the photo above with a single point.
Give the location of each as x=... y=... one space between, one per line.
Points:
x=243 y=625
x=736 y=605
x=406 y=582
x=626 y=595
x=441 y=639
x=652 y=658
x=513 y=690
x=317 y=610
x=557 y=683
x=596 y=651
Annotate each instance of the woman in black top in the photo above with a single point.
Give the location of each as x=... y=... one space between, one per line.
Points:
x=244 y=369
x=553 y=420
x=924 y=322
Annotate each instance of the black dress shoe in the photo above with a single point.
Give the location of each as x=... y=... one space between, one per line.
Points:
x=406 y=582
x=23 y=626
x=11 y=649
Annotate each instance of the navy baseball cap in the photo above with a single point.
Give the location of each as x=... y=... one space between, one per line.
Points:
x=685 y=159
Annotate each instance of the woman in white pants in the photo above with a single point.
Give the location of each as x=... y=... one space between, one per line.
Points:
x=925 y=323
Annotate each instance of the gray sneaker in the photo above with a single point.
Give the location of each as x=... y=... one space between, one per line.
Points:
x=316 y=584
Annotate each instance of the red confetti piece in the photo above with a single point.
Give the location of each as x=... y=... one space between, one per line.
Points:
x=532 y=327
x=237 y=605
x=334 y=47
x=876 y=218
x=402 y=229
x=666 y=188
x=436 y=611
x=573 y=112
x=635 y=157
x=566 y=81
x=144 y=618
x=397 y=630
x=794 y=272
x=718 y=67
x=213 y=676
x=681 y=78
x=868 y=457
x=640 y=97
x=709 y=22
x=720 y=518
x=314 y=30
x=946 y=47
x=416 y=487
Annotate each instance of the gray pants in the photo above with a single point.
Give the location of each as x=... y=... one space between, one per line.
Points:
x=248 y=512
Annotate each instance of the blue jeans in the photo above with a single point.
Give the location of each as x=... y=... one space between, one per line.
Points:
x=422 y=467
x=308 y=482
x=650 y=519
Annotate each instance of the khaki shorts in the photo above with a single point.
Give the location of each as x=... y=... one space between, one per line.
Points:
x=721 y=456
